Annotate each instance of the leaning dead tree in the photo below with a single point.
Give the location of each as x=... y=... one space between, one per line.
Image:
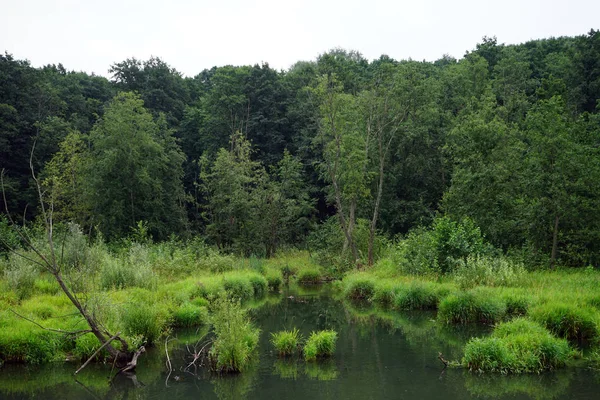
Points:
x=47 y=259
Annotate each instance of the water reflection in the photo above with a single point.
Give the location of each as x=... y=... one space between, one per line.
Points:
x=380 y=354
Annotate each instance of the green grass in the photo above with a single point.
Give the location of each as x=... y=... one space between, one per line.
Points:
x=517 y=346
x=568 y=320
x=320 y=344
x=236 y=339
x=189 y=314
x=286 y=342
x=309 y=276
x=475 y=306
x=359 y=287
x=419 y=296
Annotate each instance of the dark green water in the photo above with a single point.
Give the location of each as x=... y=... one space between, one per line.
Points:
x=379 y=356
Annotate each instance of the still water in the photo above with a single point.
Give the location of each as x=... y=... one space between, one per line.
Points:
x=379 y=355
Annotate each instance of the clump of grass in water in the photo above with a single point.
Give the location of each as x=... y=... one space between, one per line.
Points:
x=274 y=279
x=320 y=344
x=470 y=307
x=235 y=336
x=517 y=346
x=568 y=321
x=286 y=342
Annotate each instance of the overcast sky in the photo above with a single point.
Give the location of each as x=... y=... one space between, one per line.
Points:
x=193 y=35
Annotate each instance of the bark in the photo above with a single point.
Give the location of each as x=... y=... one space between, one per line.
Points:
x=554 y=243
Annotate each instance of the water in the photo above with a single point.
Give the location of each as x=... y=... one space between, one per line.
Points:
x=379 y=355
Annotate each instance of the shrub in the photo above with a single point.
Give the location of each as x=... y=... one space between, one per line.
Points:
x=417 y=296
x=517 y=346
x=286 y=342
x=309 y=276
x=359 y=288
x=189 y=314
x=567 y=320
x=470 y=307
x=235 y=336
x=21 y=276
x=482 y=270
x=320 y=344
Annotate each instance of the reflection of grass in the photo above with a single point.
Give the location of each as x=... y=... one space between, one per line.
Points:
x=323 y=370
x=493 y=386
x=286 y=368
x=234 y=387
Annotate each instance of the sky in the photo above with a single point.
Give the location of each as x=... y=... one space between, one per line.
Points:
x=193 y=35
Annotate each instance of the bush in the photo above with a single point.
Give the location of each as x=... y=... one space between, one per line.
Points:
x=286 y=342
x=320 y=344
x=470 y=307
x=517 y=346
x=21 y=276
x=567 y=320
x=488 y=271
x=359 y=287
x=189 y=314
x=417 y=296
x=235 y=336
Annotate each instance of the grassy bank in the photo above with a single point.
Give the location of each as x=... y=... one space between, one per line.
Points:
x=142 y=290
x=559 y=308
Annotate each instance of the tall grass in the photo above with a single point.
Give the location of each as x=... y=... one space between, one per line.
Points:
x=235 y=336
x=320 y=344
x=286 y=342
x=469 y=307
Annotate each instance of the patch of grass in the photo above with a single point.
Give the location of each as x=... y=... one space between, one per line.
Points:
x=471 y=307
x=482 y=270
x=21 y=341
x=569 y=321
x=359 y=287
x=235 y=336
x=417 y=296
x=320 y=344
x=309 y=276
x=259 y=284
x=86 y=345
x=238 y=286
x=517 y=346
x=145 y=319
x=385 y=292
x=274 y=279
x=189 y=314
x=516 y=304
x=286 y=342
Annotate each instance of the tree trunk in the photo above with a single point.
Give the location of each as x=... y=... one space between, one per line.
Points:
x=554 y=243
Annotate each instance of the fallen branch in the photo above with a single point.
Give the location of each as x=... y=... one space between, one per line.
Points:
x=444 y=361
x=96 y=352
x=133 y=363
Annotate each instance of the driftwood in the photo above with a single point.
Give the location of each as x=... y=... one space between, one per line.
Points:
x=443 y=360
x=133 y=363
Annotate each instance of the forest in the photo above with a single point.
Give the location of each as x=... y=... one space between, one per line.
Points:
x=455 y=174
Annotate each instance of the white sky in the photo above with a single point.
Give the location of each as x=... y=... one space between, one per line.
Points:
x=193 y=35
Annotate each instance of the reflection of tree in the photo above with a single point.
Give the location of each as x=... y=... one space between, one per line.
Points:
x=542 y=386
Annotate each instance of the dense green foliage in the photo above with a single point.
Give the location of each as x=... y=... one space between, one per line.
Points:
x=504 y=142
x=286 y=342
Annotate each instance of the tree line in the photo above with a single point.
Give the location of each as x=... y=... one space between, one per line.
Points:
x=254 y=159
